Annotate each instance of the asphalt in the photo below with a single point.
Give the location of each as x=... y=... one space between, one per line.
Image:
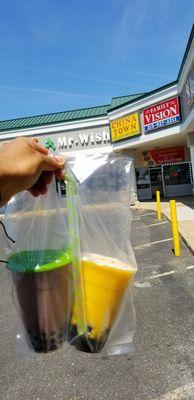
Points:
x=185 y=215
x=162 y=366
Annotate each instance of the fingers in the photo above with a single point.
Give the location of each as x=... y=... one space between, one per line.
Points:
x=37 y=192
x=52 y=163
x=41 y=186
x=46 y=177
x=34 y=191
x=38 y=188
x=39 y=147
x=60 y=173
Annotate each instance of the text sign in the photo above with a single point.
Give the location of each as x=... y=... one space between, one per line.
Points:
x=77 y=140
x=161 y=114
x=83 y=139
x=125 y=127
x=168 y=155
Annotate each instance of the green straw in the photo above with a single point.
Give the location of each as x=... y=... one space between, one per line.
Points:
x=72 y=211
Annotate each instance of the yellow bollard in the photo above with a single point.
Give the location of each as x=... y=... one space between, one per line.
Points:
x=175 y=232
x=158 y=205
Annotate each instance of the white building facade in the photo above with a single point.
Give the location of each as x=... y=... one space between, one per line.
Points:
x=156 y=129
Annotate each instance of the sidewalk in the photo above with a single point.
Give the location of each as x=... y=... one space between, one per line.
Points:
x=185 y=214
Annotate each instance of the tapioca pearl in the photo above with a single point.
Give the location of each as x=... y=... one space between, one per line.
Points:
x=53 y=347
x=40 y=348
x=51 y=342
x=37 y=347
x=73 y=332
x=89 y=328
x=43 y=342
x=36 y=338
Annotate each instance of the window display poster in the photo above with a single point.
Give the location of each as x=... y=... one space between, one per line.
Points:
x=166 y=155
x=177 y=174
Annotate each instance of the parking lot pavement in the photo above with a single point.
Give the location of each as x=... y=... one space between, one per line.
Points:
x=185 y=215
x=162 y=366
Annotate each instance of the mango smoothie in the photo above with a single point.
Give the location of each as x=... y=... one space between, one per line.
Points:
x=105 y=281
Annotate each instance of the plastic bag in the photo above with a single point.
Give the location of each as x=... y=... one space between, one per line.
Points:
x=40 y=266
x=98 y=193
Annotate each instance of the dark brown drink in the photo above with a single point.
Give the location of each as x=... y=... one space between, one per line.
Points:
x=44 y=299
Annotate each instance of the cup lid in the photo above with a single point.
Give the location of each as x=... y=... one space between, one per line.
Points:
x=38 y=260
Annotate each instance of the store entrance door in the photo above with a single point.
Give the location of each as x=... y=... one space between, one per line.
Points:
x=156 y=179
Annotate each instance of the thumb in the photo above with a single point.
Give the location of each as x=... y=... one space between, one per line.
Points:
x=52 y=163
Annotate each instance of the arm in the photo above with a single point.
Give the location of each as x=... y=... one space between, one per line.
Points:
x=27 y=165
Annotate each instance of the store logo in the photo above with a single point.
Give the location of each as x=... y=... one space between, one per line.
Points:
x=83 y=140
x=49 y=144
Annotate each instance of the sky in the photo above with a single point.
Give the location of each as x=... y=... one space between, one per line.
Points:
x=62 y=55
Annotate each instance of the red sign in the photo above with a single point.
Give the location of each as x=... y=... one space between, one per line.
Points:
x=161 y=114
x=164 y=156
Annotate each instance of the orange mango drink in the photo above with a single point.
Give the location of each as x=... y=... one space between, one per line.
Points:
x=105 y=281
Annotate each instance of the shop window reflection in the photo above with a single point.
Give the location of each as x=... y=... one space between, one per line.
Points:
x=177 y=174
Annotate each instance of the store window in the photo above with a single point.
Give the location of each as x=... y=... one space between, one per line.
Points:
x=177 y=174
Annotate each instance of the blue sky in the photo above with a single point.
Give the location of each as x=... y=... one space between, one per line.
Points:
x=60 y=55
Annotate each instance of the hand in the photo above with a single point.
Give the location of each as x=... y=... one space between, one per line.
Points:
x=27 y=165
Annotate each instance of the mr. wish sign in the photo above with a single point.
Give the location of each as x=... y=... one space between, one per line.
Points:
x=125 y=127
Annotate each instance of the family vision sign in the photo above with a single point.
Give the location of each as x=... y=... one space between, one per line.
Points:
x=162 y=114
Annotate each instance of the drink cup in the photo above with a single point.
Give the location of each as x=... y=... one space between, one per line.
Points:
x=41 y=280
x=105 y=281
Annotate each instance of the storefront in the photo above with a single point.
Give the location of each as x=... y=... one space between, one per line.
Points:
x=174 y=179
x=155 y=129
x=153 y=137
x=168 y=170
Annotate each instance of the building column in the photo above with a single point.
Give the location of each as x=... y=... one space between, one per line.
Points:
x=133 y=183
x=190 y=143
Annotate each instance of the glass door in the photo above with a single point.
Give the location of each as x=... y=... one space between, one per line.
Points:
x=143 y=183
x=156 y=180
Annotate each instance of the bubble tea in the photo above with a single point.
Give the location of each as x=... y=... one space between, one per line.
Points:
x=105 y=281
x=41 y=280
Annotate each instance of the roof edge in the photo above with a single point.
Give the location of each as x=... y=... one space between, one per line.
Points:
x=128 y=95
x=50 y=123
x=144 y=95
x=55 y=113
x=186 y=52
